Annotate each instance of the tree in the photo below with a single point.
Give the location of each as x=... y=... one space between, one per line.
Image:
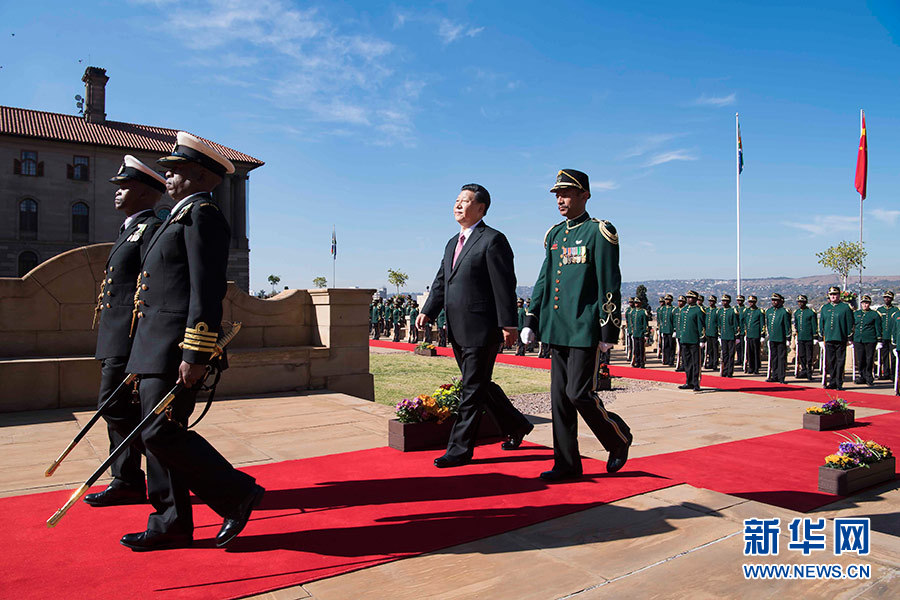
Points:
x=273 y=281
x=320 y=282
x=641 y=292
x=842 y=259
x=397 y=278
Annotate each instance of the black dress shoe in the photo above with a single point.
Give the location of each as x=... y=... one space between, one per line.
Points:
x=686 y=386
x=117 y=496
x=515 y=440
x=554 y=475
x=617 y=458
x=235 y=524
x=443 y=462
x=146 y=541
x=696 y=388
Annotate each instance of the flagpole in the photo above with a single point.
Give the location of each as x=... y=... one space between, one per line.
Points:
x=738 y=183
x=333 y=258
x=859 y=295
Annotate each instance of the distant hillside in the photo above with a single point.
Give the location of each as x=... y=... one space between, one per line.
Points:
x=814 y=286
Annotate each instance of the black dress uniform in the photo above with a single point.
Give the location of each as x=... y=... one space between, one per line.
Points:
x=114 y=311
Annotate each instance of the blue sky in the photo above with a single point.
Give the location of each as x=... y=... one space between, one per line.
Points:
x=370 y=116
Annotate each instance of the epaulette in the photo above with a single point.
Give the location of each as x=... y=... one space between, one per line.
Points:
x=549 y=230
x=608 y=231
x=213 y=204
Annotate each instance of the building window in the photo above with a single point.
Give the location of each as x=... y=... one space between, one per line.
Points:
x=27 y=261
x=79 y=170
x=28 y=164
x=163 y=212
x=80 y=221
x=28 y=219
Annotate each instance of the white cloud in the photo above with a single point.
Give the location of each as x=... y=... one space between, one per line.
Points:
x=705 y=100
x=827 y=224
x=670 y=156
x=649 y=143
x=885 y=216
x=450 y=31
x=603 y=186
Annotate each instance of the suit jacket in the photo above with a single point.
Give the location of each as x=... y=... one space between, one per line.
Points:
x=116 y=300
x=181 y=287
x=479 y=293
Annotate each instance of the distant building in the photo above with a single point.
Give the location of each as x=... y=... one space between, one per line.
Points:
x=54 y=194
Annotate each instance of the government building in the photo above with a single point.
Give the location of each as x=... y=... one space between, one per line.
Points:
x=54 y=193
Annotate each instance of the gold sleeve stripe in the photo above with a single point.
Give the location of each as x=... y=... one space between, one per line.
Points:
x=207 y=336
x=196 y=340
x=612 y=238
x=187 y=345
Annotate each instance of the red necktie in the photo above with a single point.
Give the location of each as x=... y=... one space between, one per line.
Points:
x=459 y=247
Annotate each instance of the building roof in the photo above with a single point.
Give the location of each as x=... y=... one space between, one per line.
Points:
x=72 y=128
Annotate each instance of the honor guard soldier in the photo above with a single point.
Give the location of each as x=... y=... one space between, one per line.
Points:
x=739 y=344
x=676 y=322
x=895 y=342
x=397 y=317
x=728 y=326
x=520 y=321
x=441 y=324
x=778 y=338
x=867 y=334
x=378 y=318
x=626 y=331
x=178 y=309
x=666 y=327
x=886 y=353
x=413 y=313
x=576 y=308
x=806 y=324
x=640 y=329
x=691 y=334
x=140 y=187
x=389 y=319
x=753 y=325
x=712 y=335
x=836 y=326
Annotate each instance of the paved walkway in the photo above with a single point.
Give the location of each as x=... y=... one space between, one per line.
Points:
x=673 y=543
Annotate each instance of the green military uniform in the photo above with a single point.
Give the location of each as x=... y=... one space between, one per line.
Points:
x=676 y=326
x=895 y=342
x=576 y=305
x=778 y=330
x=639 y=326
x=836 y=326
x=520 y=324
x=753 y=325
x=867 y=331
x=712 y=335
x=441 y=323
x=806 y=324
x=691 y=332
x=665 y=318
x=413 y=313
x=886 y=355
x=739 y=343
x=729 y=326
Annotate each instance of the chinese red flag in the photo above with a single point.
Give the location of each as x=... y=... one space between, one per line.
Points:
x=862 y=159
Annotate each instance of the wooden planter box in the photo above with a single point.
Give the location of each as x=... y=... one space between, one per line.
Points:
x=604 y=384
x=408 y=437
x=425 y=352
x=825 y=422
x=844 y=483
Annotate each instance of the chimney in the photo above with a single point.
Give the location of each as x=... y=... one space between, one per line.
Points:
x=95 y=94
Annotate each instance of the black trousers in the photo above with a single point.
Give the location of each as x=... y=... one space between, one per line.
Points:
x=544 y=351
x=805 y=358
x=728 y=358
x=865 y=361
x=180 y=461
x=442 y=336
x=753 y=357
x=690 y=355
x=739 y=349
x=427 y=334
x=712 y=352
x=639 y=355
x=520 y=345
x=396 y=337
x=835 y=355
x=573 y=391
x=121 y=417
x=668 y=349
x=777 y=361
x=886 y=360
x=479 y=393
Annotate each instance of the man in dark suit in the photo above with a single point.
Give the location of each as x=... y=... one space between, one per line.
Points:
x=476 y=284
x=140 y=187
x=178 y=309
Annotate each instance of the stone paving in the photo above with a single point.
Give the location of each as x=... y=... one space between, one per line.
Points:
x=673 y=543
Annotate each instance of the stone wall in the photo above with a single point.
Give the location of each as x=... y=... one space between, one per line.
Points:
x=297 y=340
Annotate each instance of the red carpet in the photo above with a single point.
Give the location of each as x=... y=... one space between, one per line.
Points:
x=780 y=469
x=320 y=517
x=737 y=384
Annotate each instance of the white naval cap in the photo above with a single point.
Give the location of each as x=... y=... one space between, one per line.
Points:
x=190 y=148
x=134 y=170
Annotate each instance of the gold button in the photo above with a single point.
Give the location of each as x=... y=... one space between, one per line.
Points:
x=144 y=286
x=559 y=265
x=108 y=293
x=556 y=297
x=111 y=269
x=108 y=305
x=564 y=239
x=557 y=281
x=555 y=307
x=146 y=274
x=109 y=281
x=140 y=315
x=556 y=290
x=558 y=271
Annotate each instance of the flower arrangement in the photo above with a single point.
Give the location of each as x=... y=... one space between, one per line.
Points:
x=603 y=371
x=835 y=405
x=425 y=346
x=856 y=452
x=439 y=406
x=848 y=297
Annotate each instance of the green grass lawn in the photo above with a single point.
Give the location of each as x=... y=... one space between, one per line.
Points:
x=406 y=375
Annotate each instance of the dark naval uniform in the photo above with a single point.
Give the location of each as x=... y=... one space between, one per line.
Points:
x=575 y=305
x=114 y=310
x=690 y=333
x=806 y=324
x=753 y=324
x=178 y=309
x=729 y=325
x=867 y=334
x=778 y=330
x=836 y=325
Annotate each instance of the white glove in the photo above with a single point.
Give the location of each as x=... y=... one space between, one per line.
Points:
x=527 y=335
x=604 y=347
x=879 y=346
x=703 y=344
x=822 y=345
